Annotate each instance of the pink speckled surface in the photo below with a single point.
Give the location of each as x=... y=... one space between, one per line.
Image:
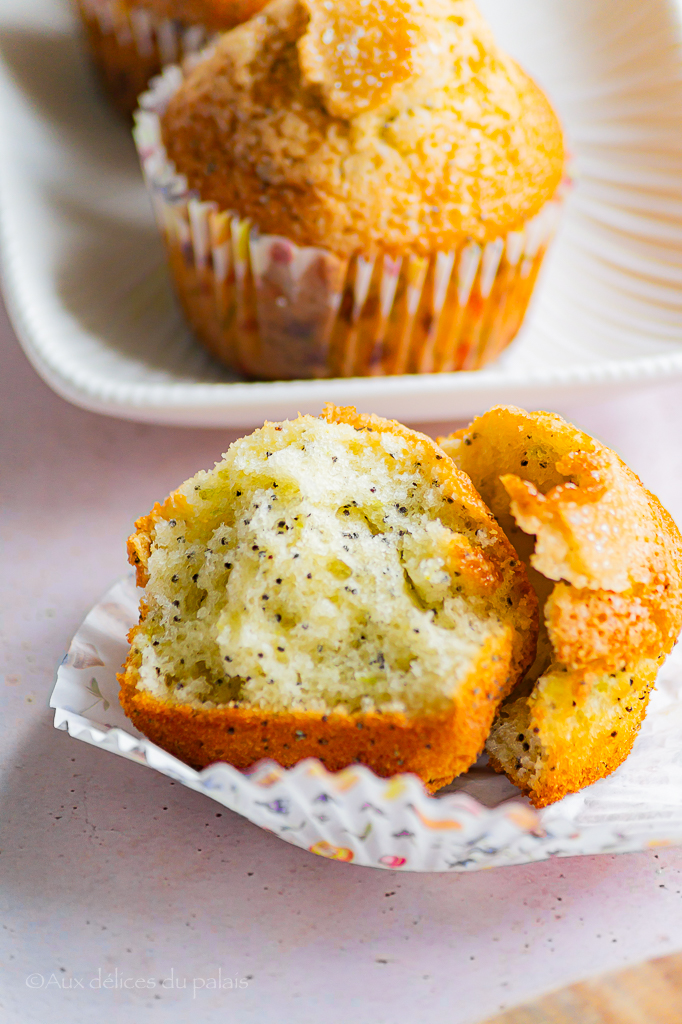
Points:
x=111 y=871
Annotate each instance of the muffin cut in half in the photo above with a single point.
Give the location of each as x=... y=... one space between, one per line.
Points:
x=334 y=588
x=606 y=561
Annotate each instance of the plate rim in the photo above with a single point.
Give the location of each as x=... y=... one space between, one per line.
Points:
x=223 y=403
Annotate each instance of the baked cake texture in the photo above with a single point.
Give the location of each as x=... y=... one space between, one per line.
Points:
x=333 y=588
x=354 y=189
x=397 y=125
x=605 y=559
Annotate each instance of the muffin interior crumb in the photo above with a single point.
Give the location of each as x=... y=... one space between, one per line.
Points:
x=316 y=566
x=532 y=726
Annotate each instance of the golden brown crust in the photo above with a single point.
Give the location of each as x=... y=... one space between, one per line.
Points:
x=614 y=612
x=596 y=526
x=598 y=530
x=464 y=146
x=436 y=747
x=604 y=630
x=575 y=752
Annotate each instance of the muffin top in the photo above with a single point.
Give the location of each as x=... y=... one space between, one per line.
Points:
x=214 y=15
x=604 y=556
x=351 y=124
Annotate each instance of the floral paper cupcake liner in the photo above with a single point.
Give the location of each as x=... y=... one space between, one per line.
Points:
x=130 y=45
x=355 y=817
x=270 y=308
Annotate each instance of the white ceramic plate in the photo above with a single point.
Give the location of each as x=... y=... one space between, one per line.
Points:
x=480 y=821
x=86 y=285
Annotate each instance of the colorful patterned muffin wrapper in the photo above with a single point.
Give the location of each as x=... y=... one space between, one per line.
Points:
x=356 y=817
x=272 y=309
x=130 y=46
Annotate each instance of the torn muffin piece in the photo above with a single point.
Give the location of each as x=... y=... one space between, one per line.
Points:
x=333 y=588
x=605 y=559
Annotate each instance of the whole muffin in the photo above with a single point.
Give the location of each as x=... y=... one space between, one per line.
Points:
x=333 y=588
x=389 y=177
x=131 y=40
x=605 y=559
